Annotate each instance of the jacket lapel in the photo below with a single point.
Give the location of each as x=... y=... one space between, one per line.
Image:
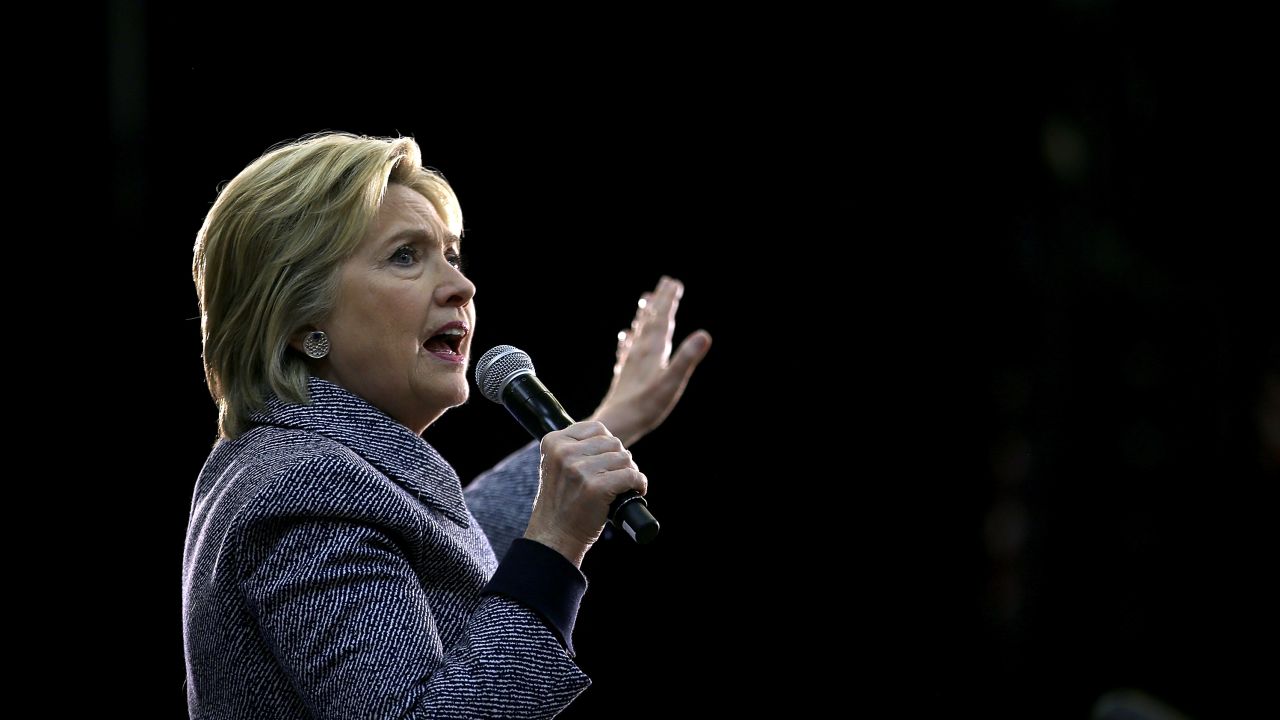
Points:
x=343 y=416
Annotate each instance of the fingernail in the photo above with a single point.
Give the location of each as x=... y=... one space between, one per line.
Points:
x=701 y=342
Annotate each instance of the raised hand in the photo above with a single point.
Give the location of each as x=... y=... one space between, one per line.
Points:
x=648 y=379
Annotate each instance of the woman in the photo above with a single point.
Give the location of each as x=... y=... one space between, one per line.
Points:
x=334 y=566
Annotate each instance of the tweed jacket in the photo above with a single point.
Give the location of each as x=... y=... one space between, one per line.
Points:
x=334 y=568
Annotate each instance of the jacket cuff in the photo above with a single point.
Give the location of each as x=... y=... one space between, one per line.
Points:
x=543 y=580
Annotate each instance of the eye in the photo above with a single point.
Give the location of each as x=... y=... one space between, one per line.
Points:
x=404 y=255
x=454 y=258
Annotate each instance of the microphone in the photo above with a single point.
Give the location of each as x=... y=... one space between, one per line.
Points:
x=505 y=375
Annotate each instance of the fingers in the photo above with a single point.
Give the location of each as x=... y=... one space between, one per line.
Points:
x=581 y=431
x=587 y=453
x=620 y=481
x=655 y=323
x=627 y=336
x=644 y=311
x=600 y=445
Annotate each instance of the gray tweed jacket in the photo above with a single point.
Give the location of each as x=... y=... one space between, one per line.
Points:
x=334 y=570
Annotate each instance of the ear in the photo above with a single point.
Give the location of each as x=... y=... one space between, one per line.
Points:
x=295 y=340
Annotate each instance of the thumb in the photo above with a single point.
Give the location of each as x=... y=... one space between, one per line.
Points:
x=690 y=353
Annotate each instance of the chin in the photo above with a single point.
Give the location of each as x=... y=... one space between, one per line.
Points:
x=440 y=406
x=455 y=396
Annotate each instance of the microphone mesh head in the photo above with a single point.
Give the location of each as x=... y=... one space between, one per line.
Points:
x=499 y=366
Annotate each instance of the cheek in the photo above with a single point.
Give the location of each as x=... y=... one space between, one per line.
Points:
x=401 y=313
x=382 y=328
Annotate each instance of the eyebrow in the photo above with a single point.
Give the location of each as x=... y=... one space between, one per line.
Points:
x=420 y=234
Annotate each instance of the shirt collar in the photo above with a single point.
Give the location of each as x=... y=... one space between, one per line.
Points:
x=392 y=448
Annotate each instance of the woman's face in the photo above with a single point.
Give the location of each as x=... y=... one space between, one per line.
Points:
x=397 y=294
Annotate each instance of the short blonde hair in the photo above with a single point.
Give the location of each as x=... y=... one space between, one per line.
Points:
x=268 y=254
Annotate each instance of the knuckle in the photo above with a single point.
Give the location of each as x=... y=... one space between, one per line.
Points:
x=575 y=472
x=560 y=452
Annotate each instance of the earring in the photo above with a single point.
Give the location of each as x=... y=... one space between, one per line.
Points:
x=316 y=345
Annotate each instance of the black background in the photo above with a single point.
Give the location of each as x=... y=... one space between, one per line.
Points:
x=982 y=428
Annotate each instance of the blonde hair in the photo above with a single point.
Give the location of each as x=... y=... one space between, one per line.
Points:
x=268 y=254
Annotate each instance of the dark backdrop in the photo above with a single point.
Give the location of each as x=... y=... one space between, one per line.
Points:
x=988 y=408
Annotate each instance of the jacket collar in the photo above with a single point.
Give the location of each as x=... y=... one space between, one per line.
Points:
x=392 y=448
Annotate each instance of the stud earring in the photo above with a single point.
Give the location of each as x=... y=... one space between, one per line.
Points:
x=316 y=345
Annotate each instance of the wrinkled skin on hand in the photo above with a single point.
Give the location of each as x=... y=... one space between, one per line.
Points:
x=583 y=469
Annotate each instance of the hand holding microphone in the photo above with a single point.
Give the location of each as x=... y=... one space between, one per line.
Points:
x=581 y=461
x=584 y=468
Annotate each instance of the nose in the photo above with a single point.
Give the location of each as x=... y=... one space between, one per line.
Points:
x=456 y=290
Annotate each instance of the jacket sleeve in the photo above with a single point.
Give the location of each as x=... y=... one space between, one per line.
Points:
x=501 y=499
x=349 y=620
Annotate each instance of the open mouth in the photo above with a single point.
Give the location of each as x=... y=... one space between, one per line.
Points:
x=448 y=342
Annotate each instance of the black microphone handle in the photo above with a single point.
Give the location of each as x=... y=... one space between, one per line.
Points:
x=536 y=409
